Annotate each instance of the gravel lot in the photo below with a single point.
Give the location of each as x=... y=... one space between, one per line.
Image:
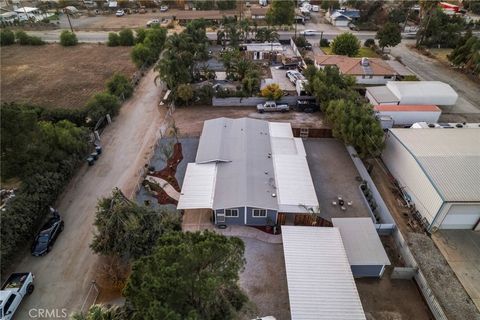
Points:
x=55 y=76
x=333 y=174
x=265 y=280
x=445 y=285
x=189 y=151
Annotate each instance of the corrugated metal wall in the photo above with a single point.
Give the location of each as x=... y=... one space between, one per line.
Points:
x=407 y=171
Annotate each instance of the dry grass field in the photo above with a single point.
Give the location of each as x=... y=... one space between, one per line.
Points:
x=59 y=77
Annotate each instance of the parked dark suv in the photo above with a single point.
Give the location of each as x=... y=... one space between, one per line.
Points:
x=47 y=236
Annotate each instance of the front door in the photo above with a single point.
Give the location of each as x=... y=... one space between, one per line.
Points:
x=220 y=217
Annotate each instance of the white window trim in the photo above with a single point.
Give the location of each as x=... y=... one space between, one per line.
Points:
x=254 y=216
x=232 y=210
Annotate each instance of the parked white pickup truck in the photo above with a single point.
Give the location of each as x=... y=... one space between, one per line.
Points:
x=17 y=286
x=271 y=106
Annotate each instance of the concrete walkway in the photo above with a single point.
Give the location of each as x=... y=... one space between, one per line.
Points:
x=249 y=232
x=167 y=187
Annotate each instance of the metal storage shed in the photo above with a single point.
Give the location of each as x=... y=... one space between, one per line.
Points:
x=439 y=169
x=320 y=282
x=364 y=249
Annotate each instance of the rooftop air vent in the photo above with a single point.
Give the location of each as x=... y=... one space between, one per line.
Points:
x=274 y=195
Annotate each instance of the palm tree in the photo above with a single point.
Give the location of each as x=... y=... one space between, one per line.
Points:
x=427 y=8
x=245 y=27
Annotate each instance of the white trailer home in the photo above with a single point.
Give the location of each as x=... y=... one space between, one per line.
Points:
x=402 y=115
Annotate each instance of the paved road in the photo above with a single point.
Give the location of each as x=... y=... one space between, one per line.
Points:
x=63 y=276
x=431 y=69
x=102 y=36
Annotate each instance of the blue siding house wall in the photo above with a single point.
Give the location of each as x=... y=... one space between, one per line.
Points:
x=366 y=271
x=240 y=220
x=257 y=221
x=249 y=220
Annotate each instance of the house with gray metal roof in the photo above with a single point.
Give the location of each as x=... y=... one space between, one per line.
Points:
x=438 y=169
x=247 y=171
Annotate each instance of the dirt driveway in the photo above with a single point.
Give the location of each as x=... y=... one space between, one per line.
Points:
x=190 y=119
x=468 y=104
x=63 y=276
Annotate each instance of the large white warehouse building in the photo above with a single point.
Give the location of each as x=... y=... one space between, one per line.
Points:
x=440 y=170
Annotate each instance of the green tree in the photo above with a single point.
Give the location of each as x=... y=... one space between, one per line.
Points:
x=251 y=82
x=120 y=86
x=329 y=84
x=389 y=35
x=113 y=39
x=356 y=125
x=467 y=54
x=126 y=38
x=188 y=276
x=281 y=12
x=345 y=44
x=7 y=37
x=125 y=229
x=272 y=92
x=330 y=5
x=24 y=39
x=102 y=104
x=141 y=55
x=266 y=35
x=141 y=34
x=68 y=39
x=19 y=131
x=184 y=93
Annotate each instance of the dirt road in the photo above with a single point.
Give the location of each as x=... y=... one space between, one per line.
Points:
x=431 y=69
x=63 y=276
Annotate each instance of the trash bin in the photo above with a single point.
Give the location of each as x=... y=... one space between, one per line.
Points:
x=98 y=149
x=90 y=161
x=94 y=155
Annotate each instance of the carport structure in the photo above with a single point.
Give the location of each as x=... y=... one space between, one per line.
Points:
x=320 y=282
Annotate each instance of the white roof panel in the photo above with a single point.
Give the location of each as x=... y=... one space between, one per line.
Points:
x=361 y=241
x=295 y=187
x=320 y=281
x=449 y=157
x=280 y=129
x=198 y=186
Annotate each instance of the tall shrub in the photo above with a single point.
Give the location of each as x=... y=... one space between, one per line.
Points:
x=7 y=37
x=68 y=39
x=126 y=38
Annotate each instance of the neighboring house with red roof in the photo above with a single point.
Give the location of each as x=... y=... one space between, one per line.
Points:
x=365 y=70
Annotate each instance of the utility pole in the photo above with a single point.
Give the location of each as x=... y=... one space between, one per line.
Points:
x=295 y=17
x=68 y=17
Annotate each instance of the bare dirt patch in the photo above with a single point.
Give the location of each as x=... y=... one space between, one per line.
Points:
x=190 y=120
x=60 y=77
x=389 y=299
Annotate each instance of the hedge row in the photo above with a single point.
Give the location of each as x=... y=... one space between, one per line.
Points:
x=7 y=37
